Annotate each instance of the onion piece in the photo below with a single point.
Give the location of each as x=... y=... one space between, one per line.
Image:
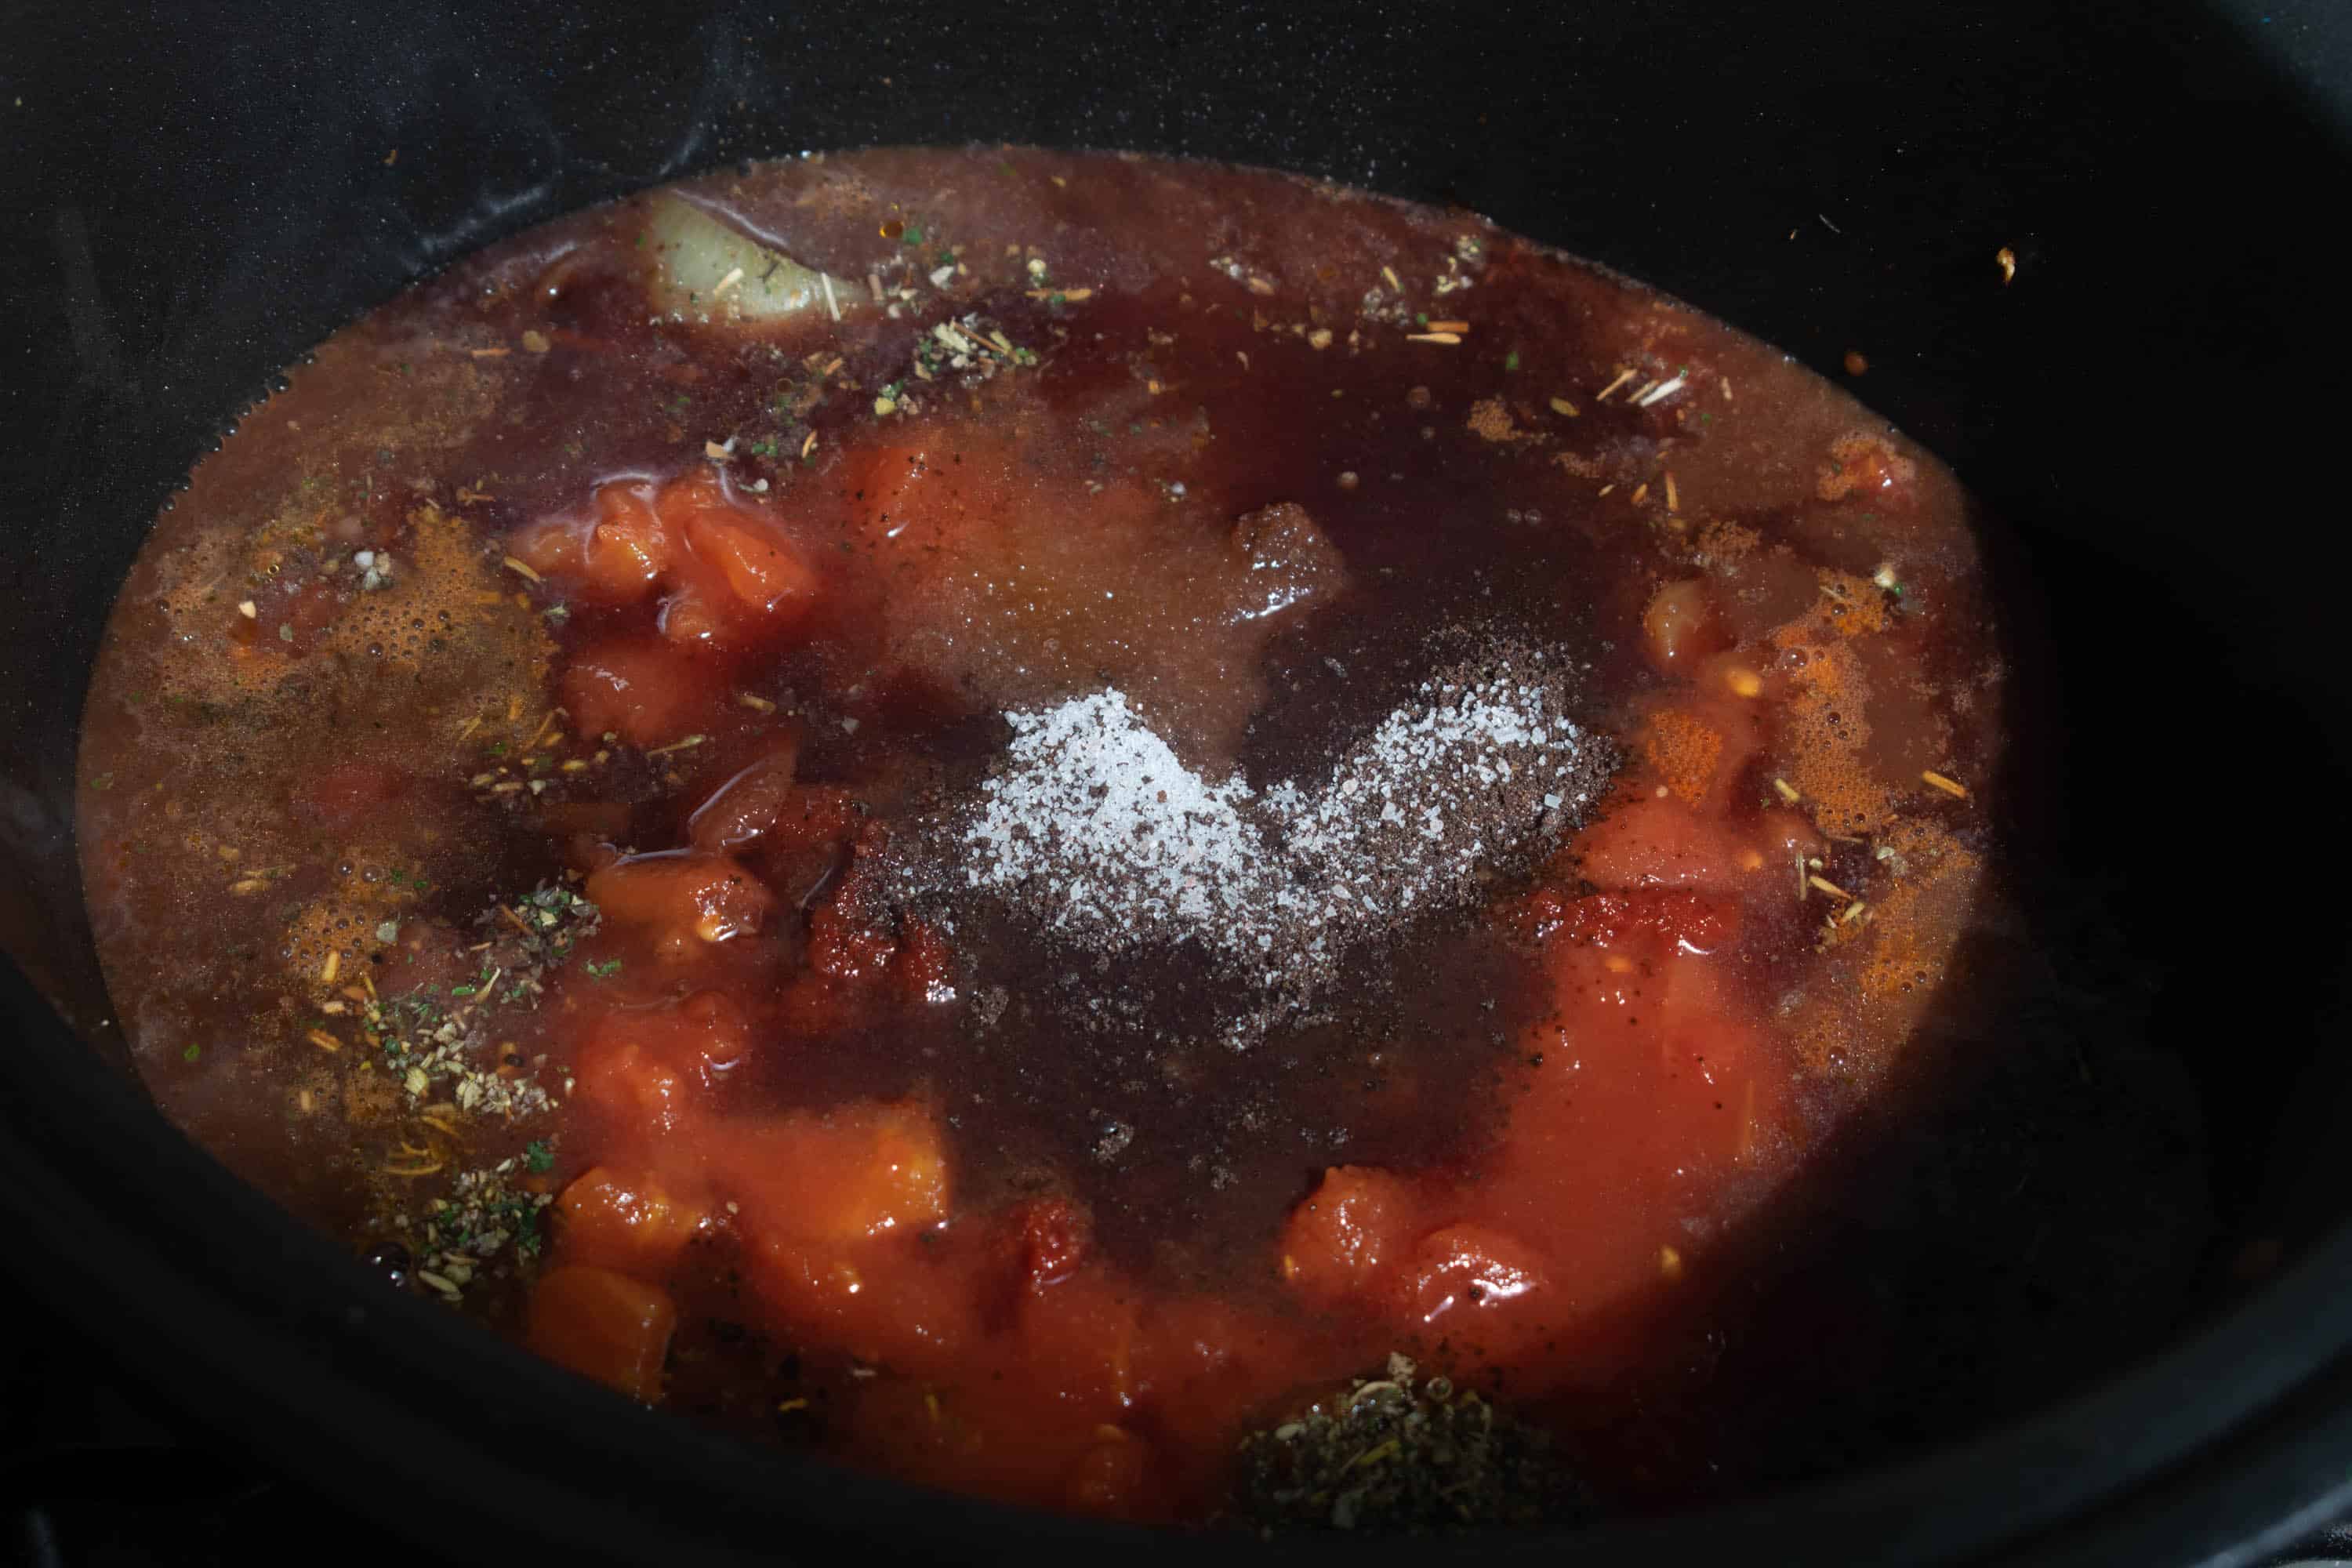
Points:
x=705 y=267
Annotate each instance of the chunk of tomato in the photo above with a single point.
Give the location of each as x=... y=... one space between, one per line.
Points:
x=643 y=691
x=1349 y=1234
x=883 y=1302
x=685 y=896
x=616 y=556
x=603 y=1325
x=636 y=1224
x=862 y=1171
x=655 y=1067
x=1481 y=1292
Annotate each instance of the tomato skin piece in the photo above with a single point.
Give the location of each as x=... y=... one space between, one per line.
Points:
x=603 y=1325
x=750 y=803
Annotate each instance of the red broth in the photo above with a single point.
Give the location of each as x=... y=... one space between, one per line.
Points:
x=1015 y=812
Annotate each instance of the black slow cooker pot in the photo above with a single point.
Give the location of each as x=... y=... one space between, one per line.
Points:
x=195 y=194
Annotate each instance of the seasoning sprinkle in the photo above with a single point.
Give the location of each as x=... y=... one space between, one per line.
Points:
x=1786 y=791
x=1816 y=880
x=1448 y=338
x=1562 y=405
x=1097 y=827
x=519 y=570
x=1623 y=377
x=1660 y=393
x=1952 y=787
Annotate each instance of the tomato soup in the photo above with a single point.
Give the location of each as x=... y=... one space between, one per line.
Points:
x=1058 y=824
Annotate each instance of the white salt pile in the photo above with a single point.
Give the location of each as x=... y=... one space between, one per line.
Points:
x=1096 y=830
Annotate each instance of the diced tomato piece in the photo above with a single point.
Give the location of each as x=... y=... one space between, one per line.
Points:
x=698 y=611
x=338 y=798
x=615 y=556
x=632 y=1223
x=642 y=690
x=763 y=568
x=741 y=575
x=1347 y=1237
x=688 y=896
x=655 y=1067
x=603 y=1325
x=1481 y=1291
x=863 y=1170
x=629 y=545
x=750 y=803
x=883 y=1302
